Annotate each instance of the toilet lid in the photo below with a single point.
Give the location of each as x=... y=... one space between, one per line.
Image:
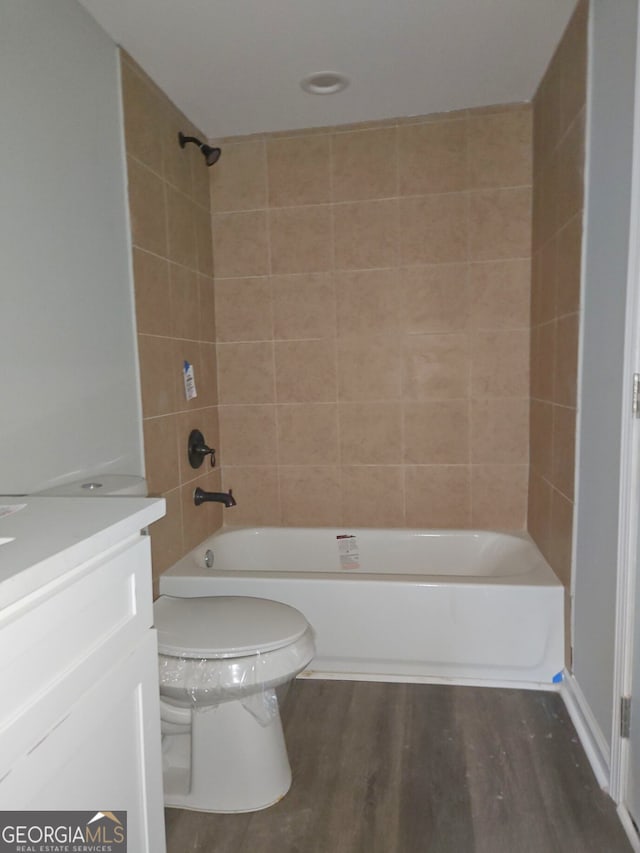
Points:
x=224 y=626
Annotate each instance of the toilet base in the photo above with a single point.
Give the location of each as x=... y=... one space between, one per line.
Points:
x=236 y=764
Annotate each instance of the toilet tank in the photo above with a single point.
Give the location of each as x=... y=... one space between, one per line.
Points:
x=106 y=485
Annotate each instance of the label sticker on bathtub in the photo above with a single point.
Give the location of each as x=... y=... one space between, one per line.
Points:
x=348 y=551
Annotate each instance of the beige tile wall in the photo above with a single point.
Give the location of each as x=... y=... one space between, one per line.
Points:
x=372 y=289
x=173 y=276
x=559 y=115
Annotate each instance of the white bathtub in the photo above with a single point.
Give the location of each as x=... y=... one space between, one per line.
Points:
x=465 y=606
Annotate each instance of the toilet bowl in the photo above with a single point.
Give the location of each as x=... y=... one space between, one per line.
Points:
x=220 y=660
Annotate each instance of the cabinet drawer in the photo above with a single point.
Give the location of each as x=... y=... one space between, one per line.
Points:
x=109 y=602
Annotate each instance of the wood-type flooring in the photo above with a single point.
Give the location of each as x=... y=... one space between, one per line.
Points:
x=413 y=768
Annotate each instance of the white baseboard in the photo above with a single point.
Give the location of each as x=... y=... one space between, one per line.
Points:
x=629 y=828
x=593 y=741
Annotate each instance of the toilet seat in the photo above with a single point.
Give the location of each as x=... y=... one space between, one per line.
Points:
x=225 y=626
x=224 y=648
x=210 y=681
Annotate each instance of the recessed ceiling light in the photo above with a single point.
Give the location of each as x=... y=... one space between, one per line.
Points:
x=325 y=83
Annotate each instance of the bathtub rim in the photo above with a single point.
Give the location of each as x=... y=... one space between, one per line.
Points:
x=542 y=574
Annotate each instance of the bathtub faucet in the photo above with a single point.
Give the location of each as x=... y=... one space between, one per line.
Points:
x=226 y=498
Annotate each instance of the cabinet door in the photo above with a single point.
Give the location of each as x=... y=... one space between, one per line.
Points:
x=53 y=646
x=104 y=755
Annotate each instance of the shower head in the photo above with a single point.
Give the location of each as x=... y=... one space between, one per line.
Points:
x=211 y=155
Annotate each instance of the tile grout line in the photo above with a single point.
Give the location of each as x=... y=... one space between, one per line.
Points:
x=265 y=161
x=400 y=268
x=161 y=177
x=166 y=218
x=434 y=118
x=373 y=200
x=471 y=334
x=457 y=465
x=171 y=262
x=336 y=360
x=218 y=407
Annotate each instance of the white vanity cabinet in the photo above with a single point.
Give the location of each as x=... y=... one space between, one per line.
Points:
x=79 y=708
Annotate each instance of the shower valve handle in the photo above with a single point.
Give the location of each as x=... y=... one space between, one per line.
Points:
x=197 y=449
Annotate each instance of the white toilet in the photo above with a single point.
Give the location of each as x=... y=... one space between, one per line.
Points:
x=221 y=659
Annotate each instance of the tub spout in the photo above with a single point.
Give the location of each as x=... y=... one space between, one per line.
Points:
x=226 y=498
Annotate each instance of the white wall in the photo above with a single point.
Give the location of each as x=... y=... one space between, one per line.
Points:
x=69 y=401
x=608 y=181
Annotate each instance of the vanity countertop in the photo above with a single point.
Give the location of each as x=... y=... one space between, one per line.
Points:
x=51 y=535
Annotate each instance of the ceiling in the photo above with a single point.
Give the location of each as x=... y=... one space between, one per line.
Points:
x=234 y=66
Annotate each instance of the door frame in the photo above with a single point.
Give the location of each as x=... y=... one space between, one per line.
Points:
x=629 y=504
